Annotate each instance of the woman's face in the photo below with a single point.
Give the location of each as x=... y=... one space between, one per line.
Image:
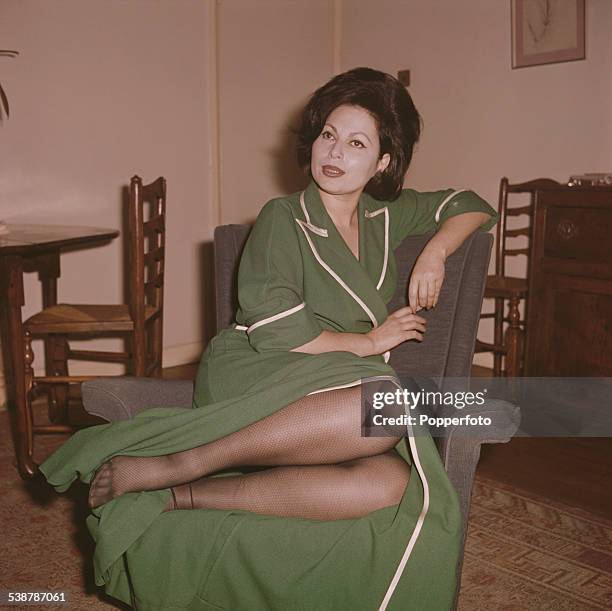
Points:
x=346 y=154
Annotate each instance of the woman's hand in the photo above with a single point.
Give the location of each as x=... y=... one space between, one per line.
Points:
x=426 y=279
x=428 y=273
x=401 y=325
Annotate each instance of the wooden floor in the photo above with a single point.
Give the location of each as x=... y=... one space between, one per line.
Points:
x=575 y=471
x=571 y=470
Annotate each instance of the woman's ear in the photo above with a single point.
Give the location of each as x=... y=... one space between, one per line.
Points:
x=383 y=162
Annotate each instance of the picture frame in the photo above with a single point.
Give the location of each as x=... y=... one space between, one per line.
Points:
x=547 y=32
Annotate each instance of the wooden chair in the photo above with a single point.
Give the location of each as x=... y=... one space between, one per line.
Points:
x=139 y=322
x=509 y=344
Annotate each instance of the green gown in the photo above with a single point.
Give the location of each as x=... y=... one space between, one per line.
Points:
x=297 y=277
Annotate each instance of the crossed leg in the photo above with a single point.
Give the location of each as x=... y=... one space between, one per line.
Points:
x=319 y=430
x=350 y=489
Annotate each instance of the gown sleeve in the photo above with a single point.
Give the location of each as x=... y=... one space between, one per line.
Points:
x=271 y=284
x=414 y=212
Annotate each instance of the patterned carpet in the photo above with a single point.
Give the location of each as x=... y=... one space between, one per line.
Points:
x=522 y=552
x=525 y=552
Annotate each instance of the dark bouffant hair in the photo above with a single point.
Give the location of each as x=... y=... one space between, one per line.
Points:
x=386 y=99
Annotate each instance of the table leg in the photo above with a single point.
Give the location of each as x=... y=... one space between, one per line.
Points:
x=11 y=290
x=48 y=273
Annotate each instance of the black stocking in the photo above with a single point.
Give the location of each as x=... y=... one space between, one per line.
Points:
x=319 y=492
x=319 y=429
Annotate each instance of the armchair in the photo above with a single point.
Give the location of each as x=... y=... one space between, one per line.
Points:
x=448 y=351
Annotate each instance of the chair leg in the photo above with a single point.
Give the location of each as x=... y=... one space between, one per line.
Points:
x=138 y=346
x=28 y=369
x=498 y=335
x=25 y=425
x=514 y=339
x=57 y=365
x=157 y=346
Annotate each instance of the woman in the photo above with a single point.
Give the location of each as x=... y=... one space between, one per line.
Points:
x=329 y=519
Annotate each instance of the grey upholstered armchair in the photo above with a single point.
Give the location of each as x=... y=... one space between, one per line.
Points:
x=448 y=351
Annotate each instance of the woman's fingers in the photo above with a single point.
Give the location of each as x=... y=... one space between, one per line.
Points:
x=414 y=326
x=413 y=294
x=425 y=280
x=411 y=319
x=423 y=293
x=431 y=293
x=437 y=295
x=408 y=335
x=400 y=312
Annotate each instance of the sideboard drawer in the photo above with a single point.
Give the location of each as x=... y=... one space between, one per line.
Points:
x=579 y=234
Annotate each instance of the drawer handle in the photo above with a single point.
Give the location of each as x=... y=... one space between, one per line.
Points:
x=567 y=229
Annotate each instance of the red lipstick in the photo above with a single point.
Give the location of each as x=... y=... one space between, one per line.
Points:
x=332 y=171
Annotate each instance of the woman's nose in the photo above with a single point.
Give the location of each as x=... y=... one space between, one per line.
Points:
x=336 y=151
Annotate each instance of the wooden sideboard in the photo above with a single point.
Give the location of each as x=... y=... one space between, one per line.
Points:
x=569 y=309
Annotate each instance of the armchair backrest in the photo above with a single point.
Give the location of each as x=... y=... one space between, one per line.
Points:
x=451 y=326
x=229 y=242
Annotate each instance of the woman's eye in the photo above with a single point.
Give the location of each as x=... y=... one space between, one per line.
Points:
x=326 y=135
x=358 y=144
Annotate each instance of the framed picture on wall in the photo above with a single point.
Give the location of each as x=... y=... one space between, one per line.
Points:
x=547 y=32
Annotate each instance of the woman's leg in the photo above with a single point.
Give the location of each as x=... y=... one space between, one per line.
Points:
x=321 y=492
x=323 y=428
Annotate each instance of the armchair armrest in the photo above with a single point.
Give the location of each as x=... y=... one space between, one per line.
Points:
x=460 y=450
x=460 y=453
x=122 y=398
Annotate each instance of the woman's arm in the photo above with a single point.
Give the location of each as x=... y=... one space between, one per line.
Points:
x=328 y=341
x=428 y=273
x=399 y=327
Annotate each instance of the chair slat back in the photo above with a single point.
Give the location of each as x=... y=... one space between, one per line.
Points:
x=510 y=209
x=147 y=247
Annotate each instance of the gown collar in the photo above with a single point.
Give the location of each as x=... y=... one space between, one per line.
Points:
x=364 y=276
x=316 y=215
x=320 y=223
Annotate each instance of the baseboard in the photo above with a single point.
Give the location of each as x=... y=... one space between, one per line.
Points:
x=182 y=354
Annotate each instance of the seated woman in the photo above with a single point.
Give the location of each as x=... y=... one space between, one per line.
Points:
x=329 y=519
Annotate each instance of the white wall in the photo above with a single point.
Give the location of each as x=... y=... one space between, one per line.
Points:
x=482 y=119
x=272 y=55
x=99 y=92
x=102 y=90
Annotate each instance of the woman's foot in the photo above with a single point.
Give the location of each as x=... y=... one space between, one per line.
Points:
x=123 y=474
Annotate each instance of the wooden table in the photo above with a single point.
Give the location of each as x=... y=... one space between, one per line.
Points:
x=28 y=248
